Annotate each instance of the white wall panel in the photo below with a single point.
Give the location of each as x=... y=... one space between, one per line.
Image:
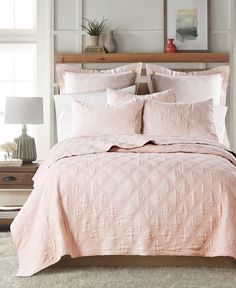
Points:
x=140 y=42
x=67 y=43
x=150 y=42
x=138 y=24
x=123 y=14
x=220 y=14
x=220 y=42
x=66 y=14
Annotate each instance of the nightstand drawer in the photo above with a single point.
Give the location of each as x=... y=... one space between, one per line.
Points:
x=9 y=180
x=15 y=186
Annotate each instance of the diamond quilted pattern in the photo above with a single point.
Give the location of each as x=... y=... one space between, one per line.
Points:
x=168 y=197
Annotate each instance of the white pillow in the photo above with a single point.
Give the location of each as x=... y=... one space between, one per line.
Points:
x=94 y=81
x=222 y=70
x=190 y=89
x=219 y=114
x=64 y=109
x=80 y=83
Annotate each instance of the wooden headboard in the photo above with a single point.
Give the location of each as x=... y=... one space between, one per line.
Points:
x=204 y=58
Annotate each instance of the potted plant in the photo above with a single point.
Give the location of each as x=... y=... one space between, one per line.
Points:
x=94 y=28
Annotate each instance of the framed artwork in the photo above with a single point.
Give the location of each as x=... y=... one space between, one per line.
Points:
x=188 y=23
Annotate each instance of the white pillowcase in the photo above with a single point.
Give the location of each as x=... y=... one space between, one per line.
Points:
x=190 y=89
x=64 y=109
x=221 y=70
x=219 y=114
x=96 y=81
x=79 y=83
x=121 y=118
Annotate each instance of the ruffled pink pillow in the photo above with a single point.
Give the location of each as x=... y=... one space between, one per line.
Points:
x=154 y=70
x=96 y=81
x=82 y=83
x=114 y=96
x=179 y=119
x=190 y=89
x=122 y=118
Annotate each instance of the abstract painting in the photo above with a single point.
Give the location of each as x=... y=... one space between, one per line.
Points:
x=187 y=23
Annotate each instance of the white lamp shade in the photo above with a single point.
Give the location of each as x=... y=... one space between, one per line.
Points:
x=24 y=110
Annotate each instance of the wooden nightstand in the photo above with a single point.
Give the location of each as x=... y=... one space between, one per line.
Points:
x=13 y=180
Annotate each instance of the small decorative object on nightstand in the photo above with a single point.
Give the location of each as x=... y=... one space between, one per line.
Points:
x=11 y=163
x=8 y=148
x=24 y=110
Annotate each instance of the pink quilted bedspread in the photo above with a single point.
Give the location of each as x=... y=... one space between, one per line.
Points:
x=128 y=195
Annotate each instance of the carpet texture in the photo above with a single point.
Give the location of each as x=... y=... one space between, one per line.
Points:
x=56 y=277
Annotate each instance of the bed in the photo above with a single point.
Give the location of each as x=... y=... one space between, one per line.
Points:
x=146 y=194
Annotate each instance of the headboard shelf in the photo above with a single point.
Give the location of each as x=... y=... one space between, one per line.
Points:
x=143 y=57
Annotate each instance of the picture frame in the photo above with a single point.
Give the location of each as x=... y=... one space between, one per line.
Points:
x=188 y=23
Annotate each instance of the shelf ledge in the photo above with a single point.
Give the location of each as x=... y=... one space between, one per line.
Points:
x=143 y=57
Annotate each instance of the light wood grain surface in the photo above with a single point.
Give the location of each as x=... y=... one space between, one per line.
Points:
x=143 y=57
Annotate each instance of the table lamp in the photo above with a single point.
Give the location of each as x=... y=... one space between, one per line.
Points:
x=24 y=110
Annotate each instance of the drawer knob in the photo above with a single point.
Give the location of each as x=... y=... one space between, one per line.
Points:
x=9 y=179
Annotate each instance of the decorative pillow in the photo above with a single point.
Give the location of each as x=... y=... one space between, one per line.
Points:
x=64 y=110
x=95 y=76
x=114 y=96
x=122 y=118
x=179 y=119
x=222 y=70
x=190 y=88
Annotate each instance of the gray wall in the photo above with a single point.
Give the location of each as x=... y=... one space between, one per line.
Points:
x=138 y=24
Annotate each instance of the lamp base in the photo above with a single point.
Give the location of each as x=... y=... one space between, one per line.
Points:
x=26 y=148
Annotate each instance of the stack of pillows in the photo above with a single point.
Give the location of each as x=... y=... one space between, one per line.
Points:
x=98 y=102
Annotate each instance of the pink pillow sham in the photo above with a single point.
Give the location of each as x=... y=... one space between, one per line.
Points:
x=96 y=76
x=114 y=96
x=153 y=69
x=190 y=89
x=122 y=118
x=179 y=119
x=82 y=83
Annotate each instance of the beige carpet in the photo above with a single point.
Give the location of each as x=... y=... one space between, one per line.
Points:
x=56 y=277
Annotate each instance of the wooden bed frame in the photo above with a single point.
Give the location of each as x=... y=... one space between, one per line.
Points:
x=204 y=58
x=148 y=261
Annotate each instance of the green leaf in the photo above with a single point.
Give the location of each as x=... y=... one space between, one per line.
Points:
x=94 y=28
